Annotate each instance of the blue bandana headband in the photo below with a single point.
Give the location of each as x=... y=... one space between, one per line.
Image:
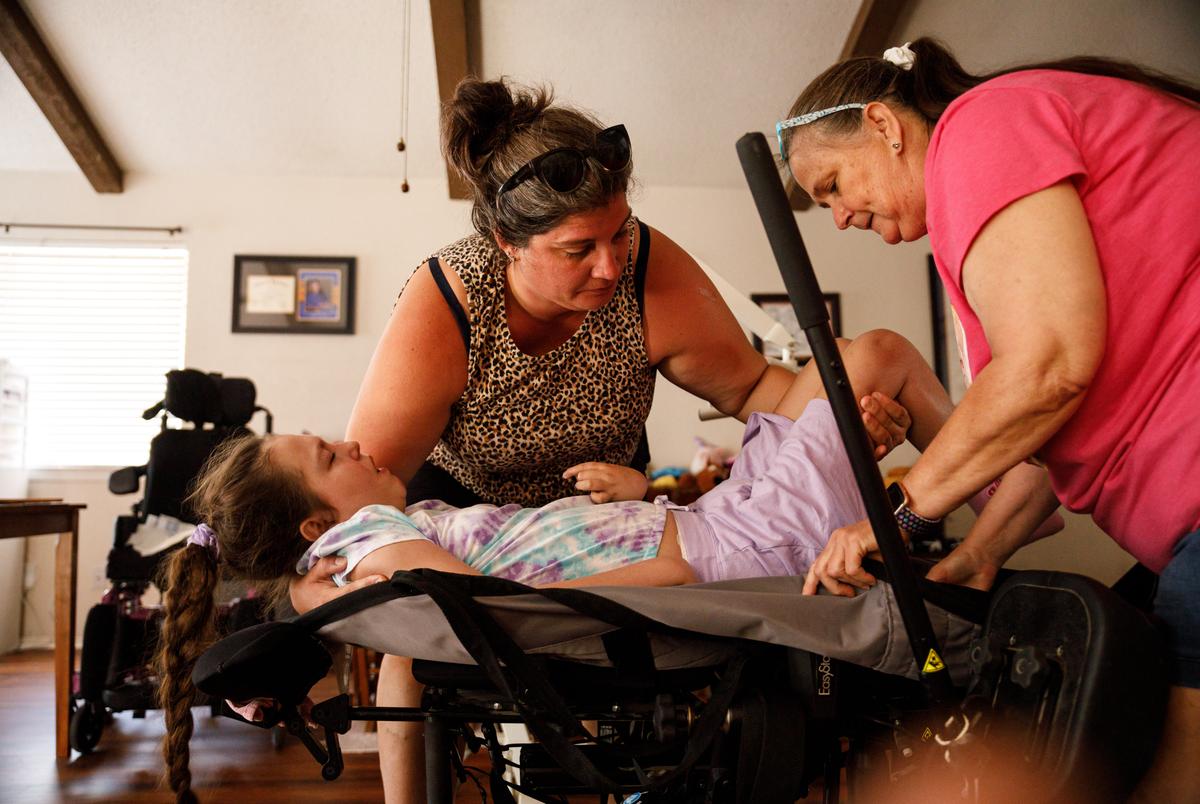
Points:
x=805 y=119
x=203 y=536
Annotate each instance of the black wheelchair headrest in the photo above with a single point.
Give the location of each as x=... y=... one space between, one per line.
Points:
x=176 y=458
x=279 y=660
x=237 y=400
x=201 y=398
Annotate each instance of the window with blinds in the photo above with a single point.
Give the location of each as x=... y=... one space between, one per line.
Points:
x=94 y=329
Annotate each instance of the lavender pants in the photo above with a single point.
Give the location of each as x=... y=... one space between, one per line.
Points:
x=789 y=489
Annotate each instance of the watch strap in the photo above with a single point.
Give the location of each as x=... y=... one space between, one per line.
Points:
x=911 y=522
x=914 y=523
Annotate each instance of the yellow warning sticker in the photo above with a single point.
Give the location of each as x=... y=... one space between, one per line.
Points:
x=933 y=663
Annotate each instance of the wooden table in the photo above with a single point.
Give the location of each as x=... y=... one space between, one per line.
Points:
x=39 y=518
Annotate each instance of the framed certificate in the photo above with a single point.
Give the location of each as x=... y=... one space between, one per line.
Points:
x=312 y=295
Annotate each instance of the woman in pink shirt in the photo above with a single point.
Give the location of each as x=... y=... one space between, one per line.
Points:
x=1060 y=202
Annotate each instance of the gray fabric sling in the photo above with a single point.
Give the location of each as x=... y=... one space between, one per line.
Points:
x=865 y=630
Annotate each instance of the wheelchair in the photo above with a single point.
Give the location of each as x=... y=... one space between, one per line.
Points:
x=694 y=704
x=120 y=633
x=744 y=692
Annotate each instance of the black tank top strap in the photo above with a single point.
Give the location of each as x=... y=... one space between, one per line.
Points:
x=639 y=267
x=460 y=315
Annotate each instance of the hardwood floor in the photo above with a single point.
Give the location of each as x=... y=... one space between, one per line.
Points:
x=231 y=762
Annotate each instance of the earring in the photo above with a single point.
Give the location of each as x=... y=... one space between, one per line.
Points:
x=896 y=145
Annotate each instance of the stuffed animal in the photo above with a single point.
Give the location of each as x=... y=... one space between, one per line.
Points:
x=710 y=455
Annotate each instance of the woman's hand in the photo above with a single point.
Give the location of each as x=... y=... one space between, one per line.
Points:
x=839 y=567
x=1022 y=509
x=607 y=482
x=965 y=566
x=887 y=422
x=317 y=587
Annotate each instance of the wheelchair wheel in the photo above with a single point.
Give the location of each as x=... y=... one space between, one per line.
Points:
x=87 y=724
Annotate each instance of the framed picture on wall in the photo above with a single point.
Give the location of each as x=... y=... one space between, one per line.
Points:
x=779 y=307
x=313 y=295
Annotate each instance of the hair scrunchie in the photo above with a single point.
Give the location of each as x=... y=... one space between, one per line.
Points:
x=203 y=536
x=902 y=57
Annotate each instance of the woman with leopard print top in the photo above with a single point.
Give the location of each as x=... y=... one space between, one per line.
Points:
x=518 y=365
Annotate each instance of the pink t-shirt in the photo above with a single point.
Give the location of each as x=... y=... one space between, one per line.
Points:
x=1131 y=454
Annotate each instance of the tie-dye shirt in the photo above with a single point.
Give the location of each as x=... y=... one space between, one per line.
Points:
x=567 y=539
x=791 y=487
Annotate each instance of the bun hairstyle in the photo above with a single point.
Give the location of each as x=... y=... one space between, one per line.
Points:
x=934 y=80
x=256 y=510
x=490 y=129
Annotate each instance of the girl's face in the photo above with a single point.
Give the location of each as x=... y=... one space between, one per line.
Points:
x=339 y=473
x=575 y=266
x=865 y=181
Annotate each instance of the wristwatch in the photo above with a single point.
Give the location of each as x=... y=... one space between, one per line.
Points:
x=910 y=521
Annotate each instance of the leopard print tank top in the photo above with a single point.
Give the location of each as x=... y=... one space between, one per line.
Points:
x=524 y=419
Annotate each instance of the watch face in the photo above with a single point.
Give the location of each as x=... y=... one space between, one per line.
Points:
x=895 y=496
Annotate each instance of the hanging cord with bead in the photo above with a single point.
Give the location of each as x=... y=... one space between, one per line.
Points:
x=402 y=145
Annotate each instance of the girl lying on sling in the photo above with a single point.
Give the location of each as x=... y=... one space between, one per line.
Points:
x=275 y=504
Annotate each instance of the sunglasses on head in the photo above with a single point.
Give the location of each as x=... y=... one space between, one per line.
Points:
x=564 y=169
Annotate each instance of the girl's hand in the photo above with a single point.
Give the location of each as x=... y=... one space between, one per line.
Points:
x=887 y=422
x=317 y=587
x=607 y=482
x=839 y=567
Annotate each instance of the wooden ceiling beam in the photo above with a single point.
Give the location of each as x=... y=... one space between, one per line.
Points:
x=451 y=56
x=871 y=32
x=31 y=60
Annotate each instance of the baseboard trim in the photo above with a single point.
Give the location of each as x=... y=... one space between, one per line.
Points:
x=37 y=643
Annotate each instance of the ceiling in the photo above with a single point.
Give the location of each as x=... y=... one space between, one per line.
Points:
x=315 y=87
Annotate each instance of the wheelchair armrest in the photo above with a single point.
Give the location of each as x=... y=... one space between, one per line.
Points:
x=127 y=480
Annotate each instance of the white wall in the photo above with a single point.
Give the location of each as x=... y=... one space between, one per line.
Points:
x=991 y=34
